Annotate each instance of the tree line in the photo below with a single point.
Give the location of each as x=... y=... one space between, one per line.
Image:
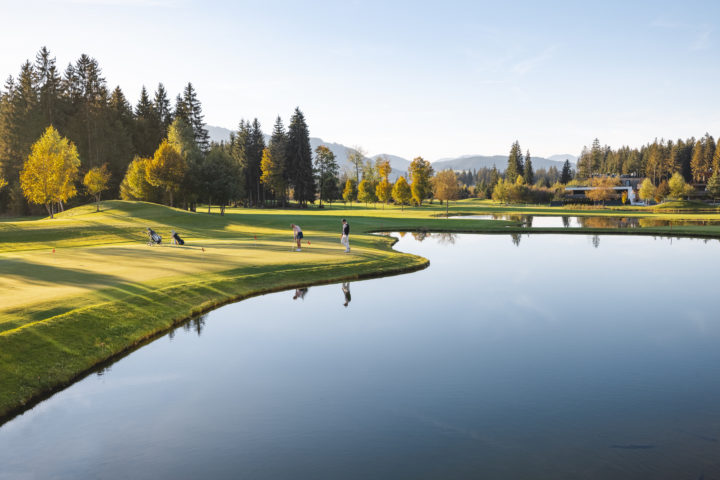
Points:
x=695 y=159
x=56 y=129
x=98 y=120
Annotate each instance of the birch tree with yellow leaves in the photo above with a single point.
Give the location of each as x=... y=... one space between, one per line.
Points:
x=48 y=176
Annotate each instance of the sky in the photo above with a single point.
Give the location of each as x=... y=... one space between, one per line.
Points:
x=431 y=79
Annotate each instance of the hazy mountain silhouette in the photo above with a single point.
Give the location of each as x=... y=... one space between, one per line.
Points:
x=400 y=165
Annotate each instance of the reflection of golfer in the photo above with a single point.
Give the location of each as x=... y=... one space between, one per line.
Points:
x=297 y=233
x=346 y=291
x=345 y=237
x=300 y=293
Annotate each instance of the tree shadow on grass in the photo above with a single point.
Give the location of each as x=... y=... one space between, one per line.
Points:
x=37 y=274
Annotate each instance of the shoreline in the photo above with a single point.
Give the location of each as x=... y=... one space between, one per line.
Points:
x=409 y=263
x=90 y=341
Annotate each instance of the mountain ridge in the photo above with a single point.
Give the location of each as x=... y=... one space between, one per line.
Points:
x=400 y=165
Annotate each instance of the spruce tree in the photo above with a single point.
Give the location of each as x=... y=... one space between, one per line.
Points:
x=147 y=133
x=248 y=145
x=299 y=159
x=528 y=174
x=49 y=86
x=161 y=105
x=193 y=110
x=566 y=174
x=278 y=146
x=515 y=163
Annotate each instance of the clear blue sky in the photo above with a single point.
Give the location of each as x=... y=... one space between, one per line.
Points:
x=412 y=78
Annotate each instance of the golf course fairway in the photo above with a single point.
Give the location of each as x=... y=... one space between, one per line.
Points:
x=80 y=289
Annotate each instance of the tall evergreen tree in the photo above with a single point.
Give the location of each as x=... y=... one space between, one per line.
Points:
x=566 y=174
x=529 y=173
x=190 y=110
x=118 y=142
x=49 y=87
x=299 y=159
x=247 y=149
x=147 y=131
x=161 y=104
x=278 y=148
x=515 y=162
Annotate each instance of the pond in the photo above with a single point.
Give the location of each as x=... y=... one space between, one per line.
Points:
x=587 y=221
x=541 y=356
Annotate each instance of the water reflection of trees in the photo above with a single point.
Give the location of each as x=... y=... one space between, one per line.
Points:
x=515 y=237
x=446 y=238
x=420 y=236
x=596 y=241
x=442 y=237
x=197 y=324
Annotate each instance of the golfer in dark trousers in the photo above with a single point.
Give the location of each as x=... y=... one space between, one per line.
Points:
x=345 y=238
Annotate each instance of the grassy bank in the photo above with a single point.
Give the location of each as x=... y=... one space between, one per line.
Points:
x=82 y=288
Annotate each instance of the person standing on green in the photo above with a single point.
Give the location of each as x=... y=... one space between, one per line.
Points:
x=297 y=233
x=345 y=237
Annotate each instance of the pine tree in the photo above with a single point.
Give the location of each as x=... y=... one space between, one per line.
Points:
x=247 y=149
x=195 y=118
x=528 y=174
x=299 y=159
x=49 y=86
x=147 y=133
x=515 y=162
x=566 y=174
x=161 y=105
x=278 y=148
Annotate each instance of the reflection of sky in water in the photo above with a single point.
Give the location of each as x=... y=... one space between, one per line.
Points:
x=545 y=359
x=589 y=221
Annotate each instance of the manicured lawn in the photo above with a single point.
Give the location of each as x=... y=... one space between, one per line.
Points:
x=79 y=289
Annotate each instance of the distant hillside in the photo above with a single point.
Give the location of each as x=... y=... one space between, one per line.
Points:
x=220 y=134
x=563 y=157
x=476 y=162
x=400 y=165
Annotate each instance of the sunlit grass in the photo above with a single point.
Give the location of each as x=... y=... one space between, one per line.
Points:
x=84 y=286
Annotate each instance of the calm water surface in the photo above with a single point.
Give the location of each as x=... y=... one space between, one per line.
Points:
x=522 y=357
x=589 y=221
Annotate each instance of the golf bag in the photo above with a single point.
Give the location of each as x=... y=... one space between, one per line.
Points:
x=153 y=238
x=177 y=239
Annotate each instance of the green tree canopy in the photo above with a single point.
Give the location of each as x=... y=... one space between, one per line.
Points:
x=647 y=190
x=713 y=185
x=421 y=173
x=327 y=171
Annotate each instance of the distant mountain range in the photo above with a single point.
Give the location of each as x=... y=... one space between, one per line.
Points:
x=400 y=165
